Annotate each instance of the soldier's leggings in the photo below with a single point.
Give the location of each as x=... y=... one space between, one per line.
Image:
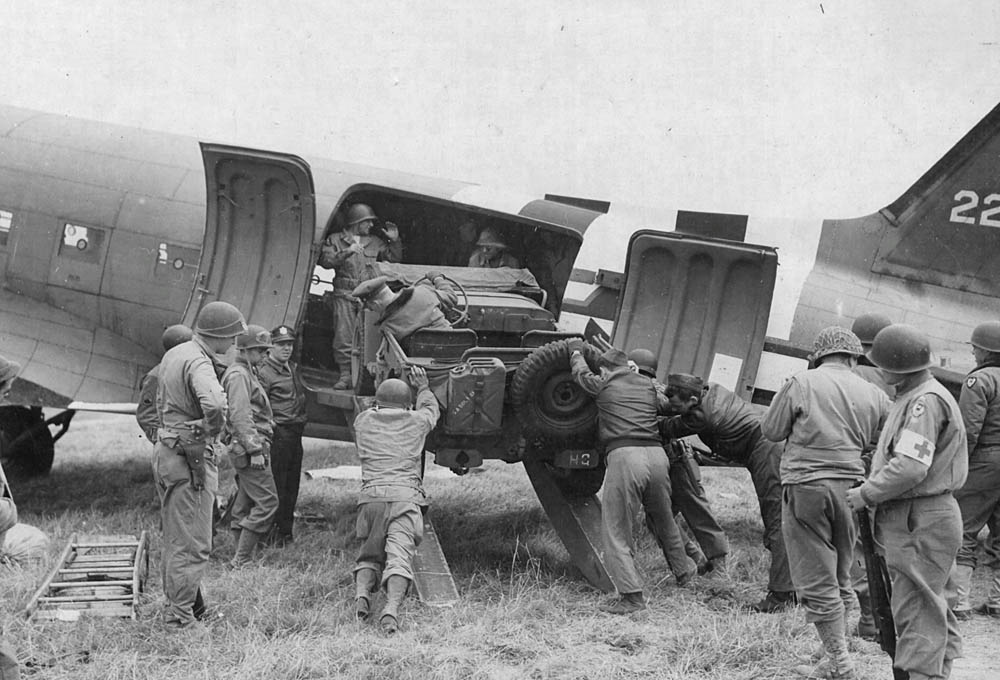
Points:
x=979 y=501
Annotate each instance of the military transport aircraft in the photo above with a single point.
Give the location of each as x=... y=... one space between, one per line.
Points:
x=108 y=234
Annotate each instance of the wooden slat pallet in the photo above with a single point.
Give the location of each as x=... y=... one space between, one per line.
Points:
x=93 y=576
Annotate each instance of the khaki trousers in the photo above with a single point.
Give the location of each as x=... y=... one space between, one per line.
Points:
x=390 y=532
x=186 y=517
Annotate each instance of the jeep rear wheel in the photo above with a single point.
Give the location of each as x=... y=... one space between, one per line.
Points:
x=547 y=400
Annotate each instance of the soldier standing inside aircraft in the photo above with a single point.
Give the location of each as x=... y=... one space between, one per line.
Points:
x=492 y=252
x=638 y=472
x=192 y=412
x=412 y=308
x=250 y=427
x=390 y=440
x=921 y=459
x=686 y=491
x=280 y=379
x=979 y=498
x=828 y=417
x=731 y=428
x=352 y=253
x=145 y=410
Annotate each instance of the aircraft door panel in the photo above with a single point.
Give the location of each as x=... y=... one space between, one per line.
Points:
x=258 y=235
x=80 y=252
x=700 y=304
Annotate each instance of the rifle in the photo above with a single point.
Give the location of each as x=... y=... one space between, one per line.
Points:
x=879 y=592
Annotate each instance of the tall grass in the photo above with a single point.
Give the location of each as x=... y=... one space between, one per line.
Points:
x=524 y=610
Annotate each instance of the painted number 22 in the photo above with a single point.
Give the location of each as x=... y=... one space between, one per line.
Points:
x=968 y=202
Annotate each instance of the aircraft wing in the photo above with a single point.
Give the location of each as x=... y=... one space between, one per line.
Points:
x=67 y=358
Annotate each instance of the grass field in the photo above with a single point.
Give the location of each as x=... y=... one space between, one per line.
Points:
x=524 y=611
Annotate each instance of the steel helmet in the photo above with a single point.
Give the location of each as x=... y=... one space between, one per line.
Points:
x=220 y=320
x=867 y=326
x=644 y=360
x=175 y=335
x=900 y=348
x=254 y=337
x=359 y=212
x=488 y=237
x=987 y=336
x=836 y=340
x=393 y=392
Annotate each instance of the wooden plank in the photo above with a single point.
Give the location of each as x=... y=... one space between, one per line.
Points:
x=42 y=589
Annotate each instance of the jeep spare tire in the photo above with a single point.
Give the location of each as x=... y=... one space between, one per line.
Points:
x=547 y=400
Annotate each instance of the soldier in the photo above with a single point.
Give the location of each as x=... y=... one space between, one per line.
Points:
x=686 y=492
x=866 y=327
x=145 y=410
x=731 y=428
x=390 y=440
x=352 y=253
x=250 y=428
x=920 y=461
x=979 y=498
x=280 y=379
x=828 y=417
x=412 y=308
x=191 y=409
x=492 y=252
x=638 y=472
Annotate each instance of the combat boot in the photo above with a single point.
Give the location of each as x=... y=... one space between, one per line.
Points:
x=865 y=629
x=774 y=601
x=395 y=591
x=961 y=576
x=628 y=603
x=364 y=583
x=992 y=605
x=837 y=664
x=244 y=548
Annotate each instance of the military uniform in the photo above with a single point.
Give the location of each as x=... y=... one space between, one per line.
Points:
x=250 y=426
x=730 y=427
x=638 y=472
x=192 y=414
x=417 y=307
x=390 y=523
x=145 y=410
x=828 y=416
x=288 y=402
x=920 y=460
x=351 y=269
x=979 y=498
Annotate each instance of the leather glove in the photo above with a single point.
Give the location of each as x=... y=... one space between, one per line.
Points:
x=575 y=345
x=431 y=275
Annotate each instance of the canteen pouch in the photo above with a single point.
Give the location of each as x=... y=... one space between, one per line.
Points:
x=475 y=397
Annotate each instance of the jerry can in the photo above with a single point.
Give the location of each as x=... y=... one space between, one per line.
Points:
x=475 y=396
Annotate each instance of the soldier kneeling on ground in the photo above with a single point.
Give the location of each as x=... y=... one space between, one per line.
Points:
x=390 y=439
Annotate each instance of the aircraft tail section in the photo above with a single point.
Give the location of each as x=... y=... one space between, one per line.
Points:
x=927 y=259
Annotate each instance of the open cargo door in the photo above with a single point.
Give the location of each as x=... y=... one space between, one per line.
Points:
x=259 y=225
x=700 y=304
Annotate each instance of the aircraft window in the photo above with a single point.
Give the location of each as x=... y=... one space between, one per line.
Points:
x=82 y=243
x=172 y=260
x=6 y=219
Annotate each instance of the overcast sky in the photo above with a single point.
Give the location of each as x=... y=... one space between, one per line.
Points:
x=789 y=108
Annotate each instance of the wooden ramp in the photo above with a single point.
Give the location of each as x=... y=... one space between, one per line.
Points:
x=93 y=576
x=431 y=573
